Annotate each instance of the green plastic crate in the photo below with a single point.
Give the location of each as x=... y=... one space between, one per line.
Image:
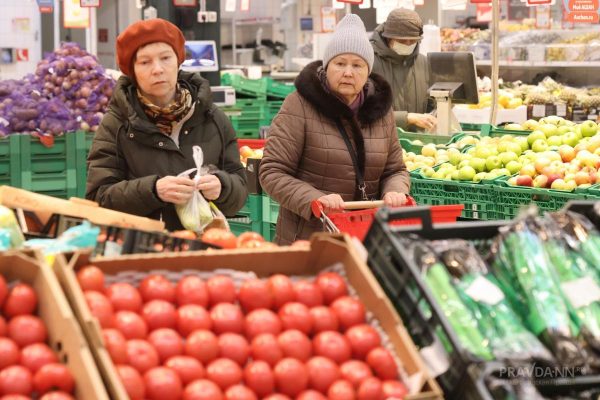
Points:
x=10 y=155
x=268 y=231
x=494 y=131
x=249 y=87
x=423 y=137
x=241 y=225
x=279 y=90
x=247 y=133
x=270 y=209
x=253 y=208
x=409 y=147
x=511 y=199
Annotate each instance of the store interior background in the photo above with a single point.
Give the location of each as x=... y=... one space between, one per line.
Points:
x=278 y=21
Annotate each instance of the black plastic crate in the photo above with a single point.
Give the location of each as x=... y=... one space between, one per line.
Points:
x=137 y=242
x=401 y=279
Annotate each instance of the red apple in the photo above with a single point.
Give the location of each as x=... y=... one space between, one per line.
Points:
x=524 y=180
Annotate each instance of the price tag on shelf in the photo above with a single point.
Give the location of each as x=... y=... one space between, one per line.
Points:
x=484 y=291
x=581 y=292
x=539 y=110
x=531 y=3
x=561 y=110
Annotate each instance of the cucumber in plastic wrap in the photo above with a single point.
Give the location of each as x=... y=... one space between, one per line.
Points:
x=527 y=276
x=481 y=293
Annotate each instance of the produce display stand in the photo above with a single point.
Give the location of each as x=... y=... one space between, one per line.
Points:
x=324 y=252
x=65 y=335
x=464 y=375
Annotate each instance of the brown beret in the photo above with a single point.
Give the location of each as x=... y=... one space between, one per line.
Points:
x=145 y=32
x=403 y=24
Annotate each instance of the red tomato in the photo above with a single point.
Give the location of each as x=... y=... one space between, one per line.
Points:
x=349 y=311
x=124 y=296
x=9 y=353
x=16 y=379
x=53 y=377
x=157 y=287
x=191 y=317
x=362 y=338
x=188 y=368
x=132 y=382
x=234 y=347
x=322 y=372
x=141 y=355
x=162 y=383
x=310 y=395
x=221 y=290
x=308 y=294
x=259 y=377
x=167 y=343
x=239 y=392
x=277 y=396
x=91 y=278
x=116 y=345
x=296 y=316
x=159 y=314
x=341 y=390
x=202 y=389
x=131 y=325
x=262 y=321
x=57 y=395
x=202 y=345
x=382 y=362
x=192 y=290
x=332 y=286
x=295 y=344
x=332 y=345
x=100 y=307
x=227 y=317
x=3 y=291
x=355 y=372
x=246 y=237
x=224 y=373
x=36 y=355
x=220 y=237
x=370 y=389
x=26 y=329
x=282 y=289
x=266 y=348
x=21 y=300
x=394 y=389
x=3 y=327
x=255 y=294
x=15 y=397
x=323 y=319
x=291 y=377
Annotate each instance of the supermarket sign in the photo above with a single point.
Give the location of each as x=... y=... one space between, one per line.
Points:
x=582 y=11
x=46 y=6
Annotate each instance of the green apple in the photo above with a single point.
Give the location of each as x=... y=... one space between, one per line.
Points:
x=464 y=163
x=555 y=140
x=514 y=127
x=417 y=142
x=482 y=152
x=507 y=157
x=455 y=175
x=479 y=177
x=539 y=146
x=570 y=138
x=466 y=173
x=427 y=171
x=513 y=167
x=552 y=119
x=549 y=130
x=503 y=172
x=478 y=164
x=493 y=163
x=454 y=157
x=588 y=128
x=564 y=129
x=522 y=141
x=535 y=135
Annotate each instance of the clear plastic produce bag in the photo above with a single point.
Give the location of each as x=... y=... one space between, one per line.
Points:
x=197 y=213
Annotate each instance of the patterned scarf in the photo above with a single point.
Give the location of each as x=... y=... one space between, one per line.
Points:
x=166 y=117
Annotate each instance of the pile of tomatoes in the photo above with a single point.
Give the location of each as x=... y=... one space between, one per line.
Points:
x=28 y=366
x=271 y=339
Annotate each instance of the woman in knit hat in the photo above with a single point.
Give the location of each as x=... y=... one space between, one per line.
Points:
x=156 y=115
x=397 y=59
x=334 y=139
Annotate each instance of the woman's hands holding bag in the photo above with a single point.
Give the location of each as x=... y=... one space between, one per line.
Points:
x=176 y=190
x=210 y=186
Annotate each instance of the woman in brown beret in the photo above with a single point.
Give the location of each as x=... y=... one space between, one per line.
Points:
x=156 y=115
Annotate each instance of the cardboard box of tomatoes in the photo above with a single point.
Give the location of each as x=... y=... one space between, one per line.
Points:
x=177 y=323
x=36 y=316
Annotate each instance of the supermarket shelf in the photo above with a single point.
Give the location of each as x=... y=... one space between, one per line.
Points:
x=535 y=64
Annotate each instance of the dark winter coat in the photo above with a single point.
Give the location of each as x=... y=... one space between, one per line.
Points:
x=306 y=157
x=129 y=154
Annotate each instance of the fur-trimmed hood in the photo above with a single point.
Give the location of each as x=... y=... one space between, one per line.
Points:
x=376 y=105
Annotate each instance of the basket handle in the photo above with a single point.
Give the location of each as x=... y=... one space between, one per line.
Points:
x=317 y=207
x=422 y=213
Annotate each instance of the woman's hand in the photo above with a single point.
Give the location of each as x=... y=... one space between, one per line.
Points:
x=210 y=186
x=394 y=199
x=173 y=189
x=332 y=202
x=425 y=121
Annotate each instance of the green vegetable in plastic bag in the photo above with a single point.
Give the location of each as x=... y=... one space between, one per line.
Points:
x=9 y=222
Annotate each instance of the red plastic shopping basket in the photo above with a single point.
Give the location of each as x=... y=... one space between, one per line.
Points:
x=358 y=221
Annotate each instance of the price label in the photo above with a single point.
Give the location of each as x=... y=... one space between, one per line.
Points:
x=561 y=110
x=539 y=110
x=582 y=292
x=483 y=291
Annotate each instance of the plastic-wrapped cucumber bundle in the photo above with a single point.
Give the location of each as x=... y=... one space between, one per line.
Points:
x=527 y=277
x=480 y=292
x=439 y=282
x=578 y=280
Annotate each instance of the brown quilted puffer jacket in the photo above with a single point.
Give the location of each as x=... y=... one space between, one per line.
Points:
x=306 y=157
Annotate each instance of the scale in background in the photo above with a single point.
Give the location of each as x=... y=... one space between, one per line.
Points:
x=201 y=56
x=454 y=81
